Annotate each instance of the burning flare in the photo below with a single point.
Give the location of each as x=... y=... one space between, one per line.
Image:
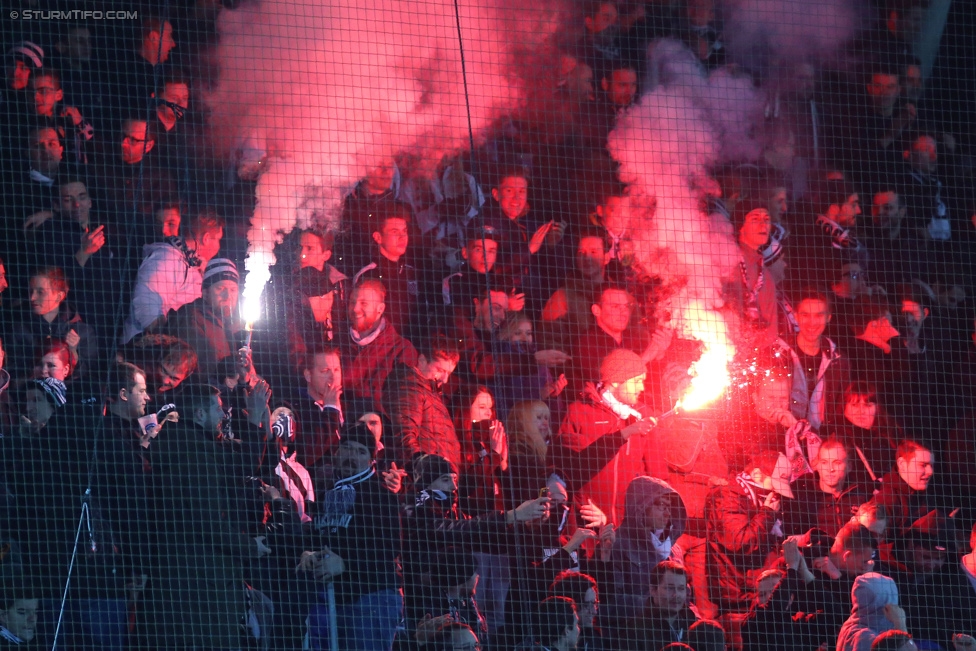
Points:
x=710 y=374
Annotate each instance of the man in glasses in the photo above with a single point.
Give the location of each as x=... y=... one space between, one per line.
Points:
x=131 y=174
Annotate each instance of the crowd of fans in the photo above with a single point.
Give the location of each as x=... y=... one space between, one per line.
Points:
x=445 y=430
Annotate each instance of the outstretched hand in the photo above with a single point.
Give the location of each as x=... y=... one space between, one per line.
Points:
x=579 y=537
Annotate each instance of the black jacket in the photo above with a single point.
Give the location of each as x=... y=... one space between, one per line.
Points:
x=903 y=504
x=814 y=508
x=359 y=520
x=653 y=631
x=28 y=333
x=740 y=543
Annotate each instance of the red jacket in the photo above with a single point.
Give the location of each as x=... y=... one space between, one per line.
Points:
x=588 y=421
x=365 y=368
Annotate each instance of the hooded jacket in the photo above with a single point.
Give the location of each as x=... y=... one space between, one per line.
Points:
x=871 y=593
x=638 y=549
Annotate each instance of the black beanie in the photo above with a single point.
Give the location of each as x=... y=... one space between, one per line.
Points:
x=427 y=468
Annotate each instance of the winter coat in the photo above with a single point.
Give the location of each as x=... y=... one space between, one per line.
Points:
x=585 y=423
x=771 y=626
x=212 y=336
x=359 y=520
x=418 y=410
x=812 y=507
x=288 y=326
x=167 y=280
x=938 y=604
x=59 y=239
x=694 y=455
x=903 y=504
x=522 y=381
x=815 y=404
x=197 y=592
x=871 y=593
x=45 y=478
x=634 y=553
x=366 y=366
x=317 y=434
x=741 y=541
x=481 y=361
x=29 y=333
x=652 y=631
x=122 y=489
x=438 y=541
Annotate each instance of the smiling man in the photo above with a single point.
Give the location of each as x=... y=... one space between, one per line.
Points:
x=827 y=499
x=819 y=372
x=669 y=616
x=371 y=346
x=904 y=491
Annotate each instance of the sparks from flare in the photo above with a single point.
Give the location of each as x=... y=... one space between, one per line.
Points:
x=710 y=375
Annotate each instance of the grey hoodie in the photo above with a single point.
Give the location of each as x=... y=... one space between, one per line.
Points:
x=871 y=593
x=637 y=550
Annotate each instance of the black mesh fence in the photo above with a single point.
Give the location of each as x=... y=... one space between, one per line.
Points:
x=478 y=324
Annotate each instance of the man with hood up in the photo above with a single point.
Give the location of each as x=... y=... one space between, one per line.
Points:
x=875 y=610
x=654 y=519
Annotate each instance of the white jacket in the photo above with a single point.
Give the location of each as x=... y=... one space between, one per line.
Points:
x=166 y=281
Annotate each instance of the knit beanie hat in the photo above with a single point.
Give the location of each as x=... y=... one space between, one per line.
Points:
x=30 y=53
x=428 y=468
x=359 y=433
x=620 y=366
x=220 y=269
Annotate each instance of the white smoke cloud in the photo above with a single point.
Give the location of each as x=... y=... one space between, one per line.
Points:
x=334 y=89
x=686 y=123
x=763 y=33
